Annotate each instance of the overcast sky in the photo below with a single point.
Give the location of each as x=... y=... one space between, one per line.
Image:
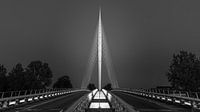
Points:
x=142 y=35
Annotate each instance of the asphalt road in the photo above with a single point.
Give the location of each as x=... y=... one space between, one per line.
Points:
x=149 y=105
x=59 y=104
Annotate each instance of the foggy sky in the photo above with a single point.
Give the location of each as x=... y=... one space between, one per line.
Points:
x=142 y=35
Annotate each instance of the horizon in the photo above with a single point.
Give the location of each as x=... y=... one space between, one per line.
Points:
x=142 y=36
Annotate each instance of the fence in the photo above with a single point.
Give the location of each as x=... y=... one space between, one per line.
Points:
x=15 y=98
x=173 y=96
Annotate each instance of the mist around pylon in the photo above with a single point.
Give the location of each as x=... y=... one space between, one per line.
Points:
x=106 y=58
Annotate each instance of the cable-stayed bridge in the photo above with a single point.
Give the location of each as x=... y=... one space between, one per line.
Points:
x=99 y=100
x=117 y=100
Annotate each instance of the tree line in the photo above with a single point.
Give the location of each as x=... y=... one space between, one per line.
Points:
x=183 y=74
x=37 y=75
x=184 y=71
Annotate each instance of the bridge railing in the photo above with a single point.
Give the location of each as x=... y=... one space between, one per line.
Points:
x=8 y=94
x=83 y=104
x=174 y=92
x=181 y=98
x=15 y=98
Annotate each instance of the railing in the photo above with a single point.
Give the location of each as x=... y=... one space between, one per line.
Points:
x=173 y=92
x=15 y=98
x=25 y=92
x=177 y=97
x=83 y=104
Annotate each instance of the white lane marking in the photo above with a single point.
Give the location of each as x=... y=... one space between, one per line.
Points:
x=46 y=102
x=149 y=100
x=171 y=108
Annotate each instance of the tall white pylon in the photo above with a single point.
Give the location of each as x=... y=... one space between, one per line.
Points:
x=100 y=40
x=100 y=53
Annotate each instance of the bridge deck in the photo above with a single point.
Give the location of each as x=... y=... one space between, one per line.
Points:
x=62 y=103
x=147 y=105
x=53 y=105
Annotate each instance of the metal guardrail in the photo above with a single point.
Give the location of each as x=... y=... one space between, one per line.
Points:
x=15 y=98
x=173 y=92
x=8 y=94
x=83 y=103
x=180 y=98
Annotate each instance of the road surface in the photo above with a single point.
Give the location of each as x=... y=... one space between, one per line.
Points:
x=59 y=104
x=148 y=105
